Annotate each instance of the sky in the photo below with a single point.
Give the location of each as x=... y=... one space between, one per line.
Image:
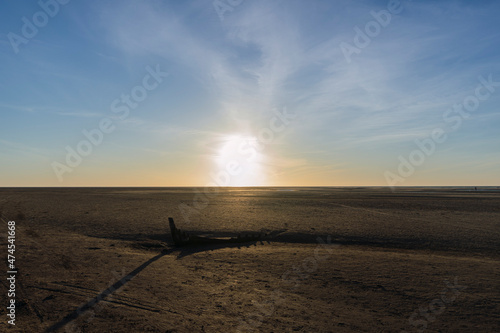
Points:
x=249 y=93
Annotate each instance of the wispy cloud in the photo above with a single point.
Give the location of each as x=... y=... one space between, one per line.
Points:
x=225 y=78
x=82 y=114
x=23 y=148
x=17 y=107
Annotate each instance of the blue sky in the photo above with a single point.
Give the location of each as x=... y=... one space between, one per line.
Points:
x=227 y=80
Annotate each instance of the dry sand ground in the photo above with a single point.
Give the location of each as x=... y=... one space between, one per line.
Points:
x=414 y=260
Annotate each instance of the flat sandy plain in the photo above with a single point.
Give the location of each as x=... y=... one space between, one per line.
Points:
x=336 y=260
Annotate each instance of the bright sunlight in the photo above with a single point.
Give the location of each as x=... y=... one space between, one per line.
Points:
x=239 y=162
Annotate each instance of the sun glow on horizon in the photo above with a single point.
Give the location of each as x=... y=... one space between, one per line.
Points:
x=239 y=162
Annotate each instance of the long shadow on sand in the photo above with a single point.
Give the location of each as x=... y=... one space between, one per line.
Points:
x=117 y=285
x=434 y=242
x=277 y=236
x=181 y=252
x=185 y=251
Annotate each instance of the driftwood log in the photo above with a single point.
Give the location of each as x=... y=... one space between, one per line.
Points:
x=182 y=238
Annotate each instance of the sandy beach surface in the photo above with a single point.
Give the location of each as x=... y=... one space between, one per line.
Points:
x=333 y=260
